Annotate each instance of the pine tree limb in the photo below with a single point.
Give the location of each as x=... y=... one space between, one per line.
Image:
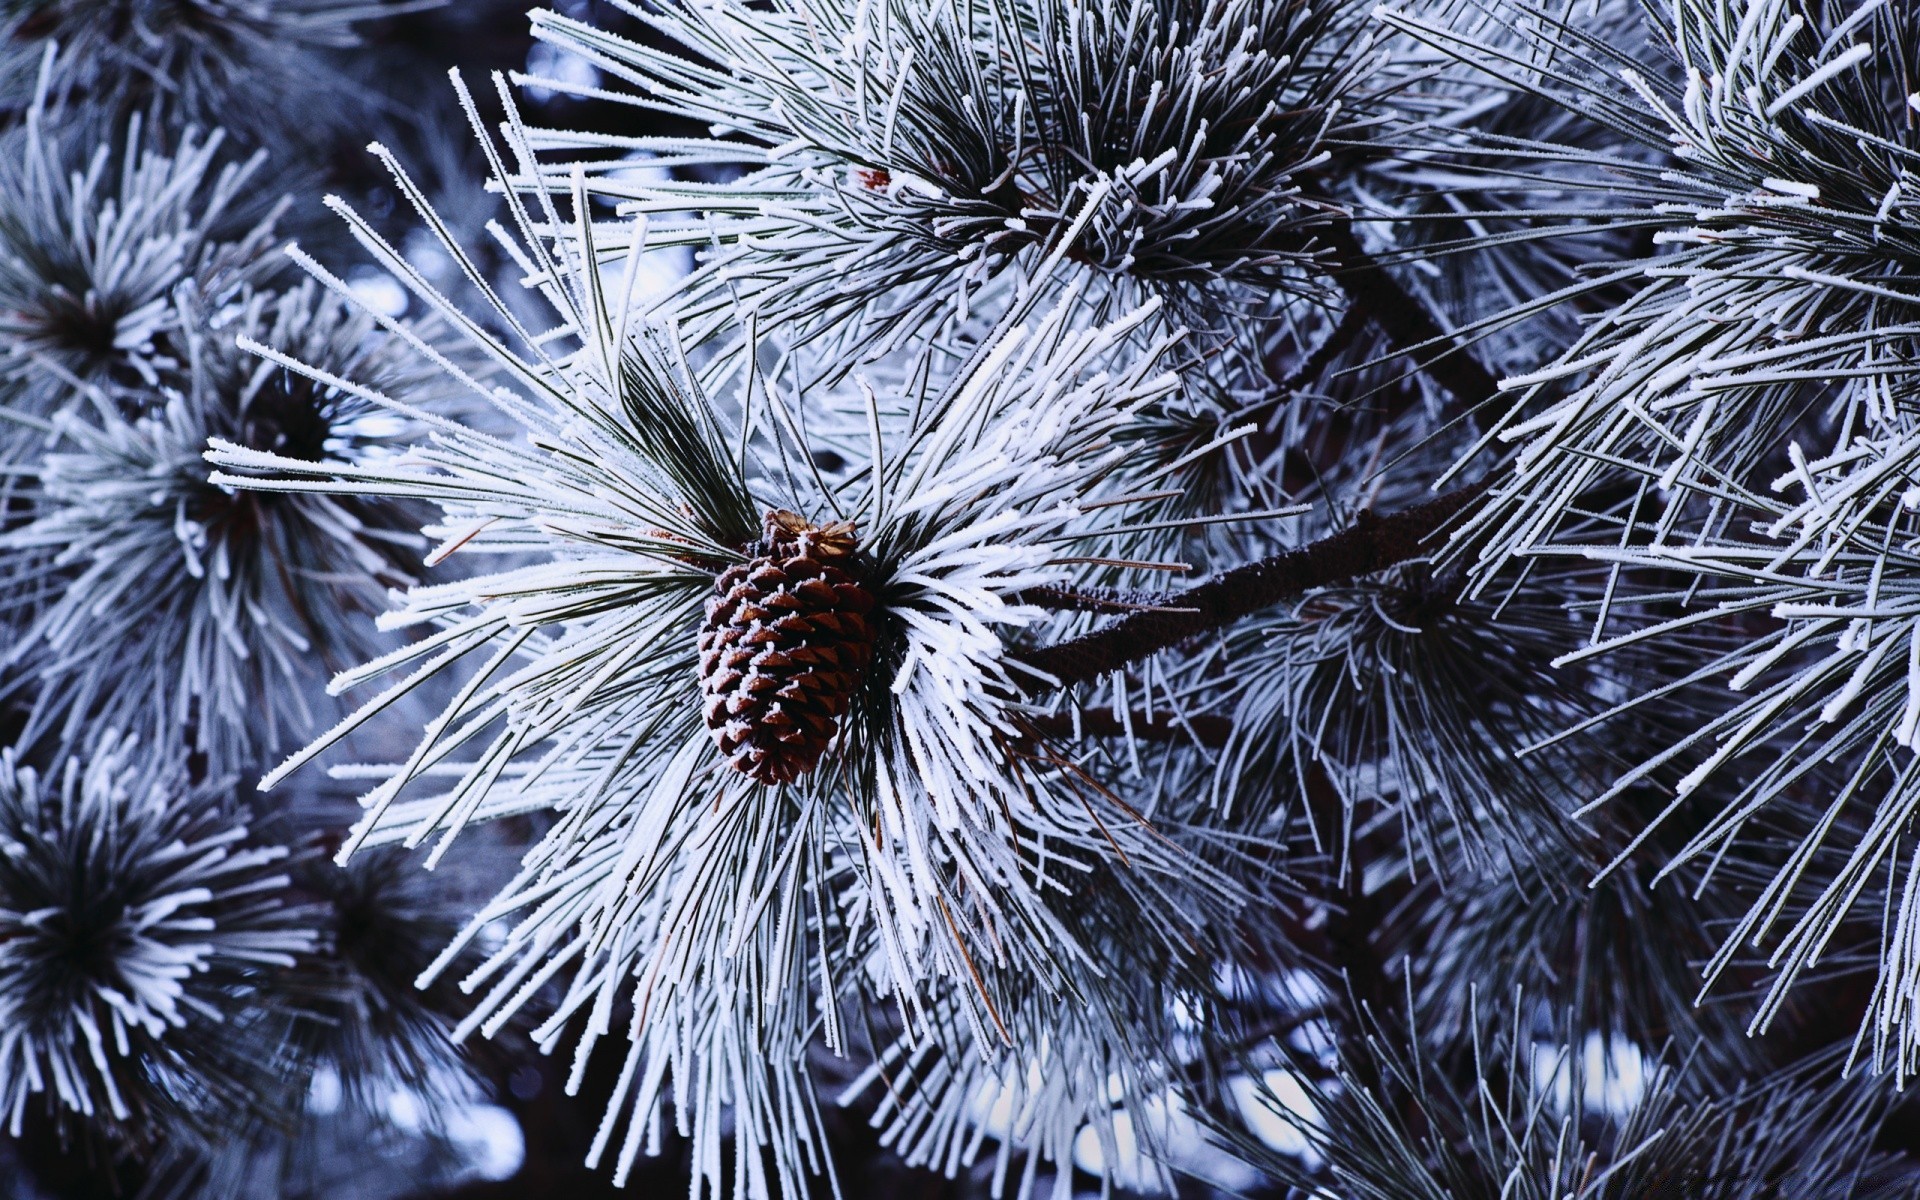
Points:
x=1338 y=340
x=1403 y=317
x=1371 y=544
x=1091 y=599
x=1209 y=730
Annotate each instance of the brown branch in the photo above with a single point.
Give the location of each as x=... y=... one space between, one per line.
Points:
x=1400 y=315
x=1107 y=600
x=1336 y=343
x=1370 y=544
x=1206 y=729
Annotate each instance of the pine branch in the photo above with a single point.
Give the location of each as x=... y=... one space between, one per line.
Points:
x=1403 y=317
x=1371 y=544
x=1093 y=599
x=1207 y=730
x=1268 y=414
x=1338 y=340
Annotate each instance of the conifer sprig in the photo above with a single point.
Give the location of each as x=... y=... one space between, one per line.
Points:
x=170 y=605
x=1507 y=1111
x=926 y=859
x=138 y=923
x=897 y=157
x=1761 y=351
x=92 y=249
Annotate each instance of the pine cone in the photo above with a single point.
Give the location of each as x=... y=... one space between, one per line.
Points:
x=786 y=641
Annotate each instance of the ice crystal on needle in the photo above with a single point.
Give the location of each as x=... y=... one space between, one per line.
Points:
x=92 y=249
x=896 y=156
x=165 y=603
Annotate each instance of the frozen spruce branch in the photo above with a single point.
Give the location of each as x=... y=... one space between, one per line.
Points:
x=137 y=922
x=366 y=1096
x=882 y=161
x=890 y=653
x=159 y=601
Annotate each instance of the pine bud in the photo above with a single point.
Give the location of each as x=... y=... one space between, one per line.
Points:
x=786 y=641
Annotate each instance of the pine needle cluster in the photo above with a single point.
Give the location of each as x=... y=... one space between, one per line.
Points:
x=1084 y=580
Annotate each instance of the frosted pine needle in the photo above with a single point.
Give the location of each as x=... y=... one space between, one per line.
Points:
x=895 y=157
x=168 y=604
x=135 y=920
x=706 y=896
x=93 y=244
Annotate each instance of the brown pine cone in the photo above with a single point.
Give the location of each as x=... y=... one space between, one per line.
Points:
x=787 y=638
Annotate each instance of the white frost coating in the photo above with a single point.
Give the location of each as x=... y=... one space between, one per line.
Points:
x=859 y=207
x=176 y=611
x=123 y=235
x=185 y=915
x=667 y=880
x=1774 y=326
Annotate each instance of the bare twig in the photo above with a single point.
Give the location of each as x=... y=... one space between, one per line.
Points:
x=1370 y=544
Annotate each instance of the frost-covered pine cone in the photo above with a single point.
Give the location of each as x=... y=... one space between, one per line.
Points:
x=786 y=641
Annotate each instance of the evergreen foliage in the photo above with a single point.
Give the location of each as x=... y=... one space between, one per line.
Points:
x=93 y=243
x=1223 y=596
x=171 y=605
x=138 y=921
